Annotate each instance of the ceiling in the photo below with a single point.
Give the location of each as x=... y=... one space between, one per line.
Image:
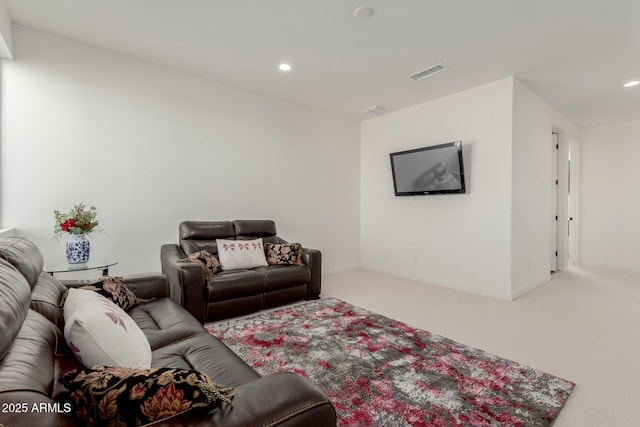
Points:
x=575 y=54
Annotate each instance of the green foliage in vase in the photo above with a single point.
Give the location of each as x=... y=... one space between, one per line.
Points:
x=79 y=220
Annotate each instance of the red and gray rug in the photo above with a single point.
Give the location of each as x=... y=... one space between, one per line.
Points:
x=381 y=372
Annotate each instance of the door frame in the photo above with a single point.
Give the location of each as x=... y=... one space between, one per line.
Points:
x=563 y=199
x=574 y=185
x=555 y=202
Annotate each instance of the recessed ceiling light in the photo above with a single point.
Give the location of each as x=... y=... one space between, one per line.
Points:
x=284 y=67
x=631 y=84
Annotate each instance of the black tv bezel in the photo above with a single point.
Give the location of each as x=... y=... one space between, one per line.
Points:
x=462 y=188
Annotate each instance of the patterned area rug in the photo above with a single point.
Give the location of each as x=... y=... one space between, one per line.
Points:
x=381 y=372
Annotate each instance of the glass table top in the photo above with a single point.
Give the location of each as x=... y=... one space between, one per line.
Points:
x=91 y=265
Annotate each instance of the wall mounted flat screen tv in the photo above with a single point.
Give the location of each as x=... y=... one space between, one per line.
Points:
x=430 y=170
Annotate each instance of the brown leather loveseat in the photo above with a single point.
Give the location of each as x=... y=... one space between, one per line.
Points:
x=235 y=292
x=33 y=355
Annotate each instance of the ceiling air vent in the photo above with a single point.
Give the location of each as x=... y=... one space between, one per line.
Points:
x=428 y=72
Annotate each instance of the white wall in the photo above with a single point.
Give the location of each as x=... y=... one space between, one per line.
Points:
x=610 y=196
x=496 y=239
x=461 y=241
x=6 y=36
x=530 y=193
x=150 y=147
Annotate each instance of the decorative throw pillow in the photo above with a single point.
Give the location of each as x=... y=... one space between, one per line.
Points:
x=208 y=261
x=99 y=332
x=240 y=254
x=112 y=396
x=114 y=289
x=284 y=253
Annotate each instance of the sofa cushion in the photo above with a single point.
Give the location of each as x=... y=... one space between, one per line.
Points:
x=235 y=283
x=208 y=355
x=248 y=229
x=241 y=254
x=163 y=322
x=254 y=228
x=133 y=397
x=206 y=230
x=24 y=256
x=28 y=365
x=99 y=332
x=14 y=304
x=46 y=296
x=198 y=235
x=192 y=246
x=284 y=276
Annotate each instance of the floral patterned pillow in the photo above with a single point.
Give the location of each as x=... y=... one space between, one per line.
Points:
x=114 y=289
x=103 y=396
x=208 y=261
x=284 y=253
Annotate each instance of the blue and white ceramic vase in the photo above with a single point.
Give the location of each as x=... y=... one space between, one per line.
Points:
x=77 y=249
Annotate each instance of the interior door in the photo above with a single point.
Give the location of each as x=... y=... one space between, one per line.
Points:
x=554 y=202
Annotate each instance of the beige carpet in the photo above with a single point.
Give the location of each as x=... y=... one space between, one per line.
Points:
x=584 y=325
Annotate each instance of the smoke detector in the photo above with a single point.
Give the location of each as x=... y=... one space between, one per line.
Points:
x=435 y=69
x=374 y=110
x=363 y=12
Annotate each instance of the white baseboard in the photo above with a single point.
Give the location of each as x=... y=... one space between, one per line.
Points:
x=530 y=287
x=464 y=288
x=608 y=267
x=507 y=295
x=341 y=270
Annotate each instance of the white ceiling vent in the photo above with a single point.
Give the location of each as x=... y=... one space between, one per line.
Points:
x=374 y=110
x=428 y=72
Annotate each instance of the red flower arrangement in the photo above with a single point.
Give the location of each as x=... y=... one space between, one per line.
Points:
x=79 y=220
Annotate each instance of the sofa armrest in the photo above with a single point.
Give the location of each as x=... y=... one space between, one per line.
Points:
x=313 y=259
x=282 y=399
x=187 y=282
x=147 y=285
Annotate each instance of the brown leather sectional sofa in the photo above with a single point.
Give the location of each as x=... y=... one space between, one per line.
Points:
x=33 y=354
x=235 y=292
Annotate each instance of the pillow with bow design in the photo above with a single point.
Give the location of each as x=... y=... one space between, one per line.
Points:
x=241 y=254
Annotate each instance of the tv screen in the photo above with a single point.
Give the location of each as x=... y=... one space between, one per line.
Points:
x=430 y=170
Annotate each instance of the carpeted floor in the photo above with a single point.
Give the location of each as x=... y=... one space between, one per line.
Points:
x=378 y=371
